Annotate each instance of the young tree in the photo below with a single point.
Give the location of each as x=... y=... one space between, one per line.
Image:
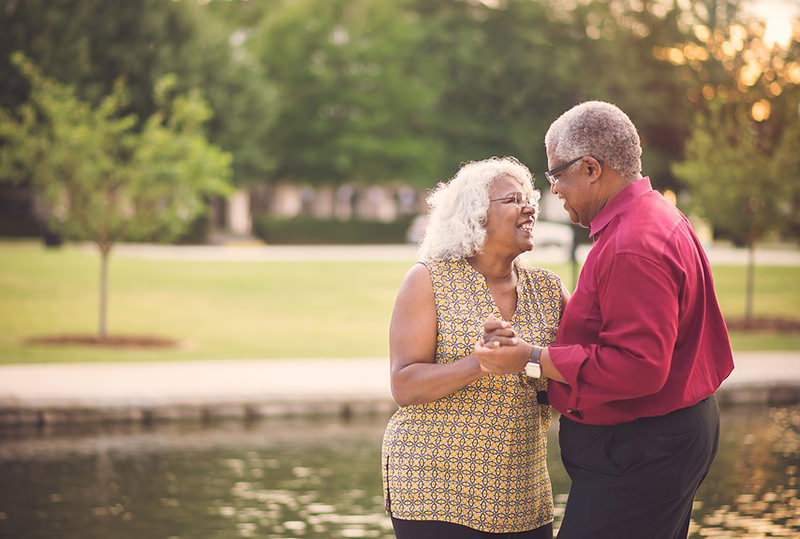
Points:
x=731 y=182
x=100 y=175
x=744 y=137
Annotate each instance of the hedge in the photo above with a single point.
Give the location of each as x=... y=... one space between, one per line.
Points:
x=309 y=230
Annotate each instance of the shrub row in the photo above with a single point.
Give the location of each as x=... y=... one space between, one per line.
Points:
x=309 y=230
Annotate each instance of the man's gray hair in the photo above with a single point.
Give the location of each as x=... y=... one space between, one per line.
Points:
x=458 y=208
x=598 y=129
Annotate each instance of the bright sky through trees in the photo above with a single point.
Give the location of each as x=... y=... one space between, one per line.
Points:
x=779 y=16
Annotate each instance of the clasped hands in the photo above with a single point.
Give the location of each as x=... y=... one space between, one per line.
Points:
x=499 y=350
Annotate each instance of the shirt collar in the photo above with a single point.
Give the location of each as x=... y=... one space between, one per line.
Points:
x=618 y=204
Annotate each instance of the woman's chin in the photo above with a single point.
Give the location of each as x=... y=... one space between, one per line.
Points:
x=527 y=246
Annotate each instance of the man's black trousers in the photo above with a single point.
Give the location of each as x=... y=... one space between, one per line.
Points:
x=637 y=480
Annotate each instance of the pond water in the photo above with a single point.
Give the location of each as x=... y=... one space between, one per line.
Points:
x=318 y=478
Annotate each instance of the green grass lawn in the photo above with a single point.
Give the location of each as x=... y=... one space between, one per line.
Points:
x=220 y=310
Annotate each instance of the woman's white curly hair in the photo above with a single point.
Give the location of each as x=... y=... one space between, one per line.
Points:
x=598 y=129
x=458 y=208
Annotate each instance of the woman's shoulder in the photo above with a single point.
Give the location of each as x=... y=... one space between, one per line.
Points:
x=417 y=284
x=438 y=267
x=429 y=271
x=451 y=275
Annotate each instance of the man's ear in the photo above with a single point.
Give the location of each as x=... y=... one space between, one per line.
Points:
x=593 y=168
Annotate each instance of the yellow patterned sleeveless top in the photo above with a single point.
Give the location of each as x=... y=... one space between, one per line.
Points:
x=478 y=456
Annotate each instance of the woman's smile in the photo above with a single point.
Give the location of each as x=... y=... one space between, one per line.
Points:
x=527 y=225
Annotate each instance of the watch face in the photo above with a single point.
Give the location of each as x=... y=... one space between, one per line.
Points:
x=533 y=370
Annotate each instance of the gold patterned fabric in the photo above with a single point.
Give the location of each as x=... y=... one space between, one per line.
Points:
x=478 y=456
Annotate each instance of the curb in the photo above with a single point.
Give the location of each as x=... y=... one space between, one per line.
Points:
x=769 y=394
x=763 y=394
x=37 y=396
x=34 y=416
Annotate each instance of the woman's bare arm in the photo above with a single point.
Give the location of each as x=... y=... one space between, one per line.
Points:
x=415 y=377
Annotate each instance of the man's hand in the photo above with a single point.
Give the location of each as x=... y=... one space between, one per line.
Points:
x=500 y=351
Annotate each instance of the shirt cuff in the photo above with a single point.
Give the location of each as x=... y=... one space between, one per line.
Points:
x=568 y=360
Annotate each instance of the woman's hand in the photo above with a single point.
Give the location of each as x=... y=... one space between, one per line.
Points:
x=498 y=331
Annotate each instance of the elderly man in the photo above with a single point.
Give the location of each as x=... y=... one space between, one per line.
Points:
x=641 y=347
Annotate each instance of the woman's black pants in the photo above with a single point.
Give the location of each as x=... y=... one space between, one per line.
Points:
x=637 y=480
x=434 y=529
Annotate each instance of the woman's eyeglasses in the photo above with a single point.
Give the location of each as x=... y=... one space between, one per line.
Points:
x=519 y=199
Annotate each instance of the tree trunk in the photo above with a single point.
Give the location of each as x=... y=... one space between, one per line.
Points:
x=105 y=250
x=750 y=281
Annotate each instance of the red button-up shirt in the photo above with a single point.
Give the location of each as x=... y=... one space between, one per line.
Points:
x=643 y=334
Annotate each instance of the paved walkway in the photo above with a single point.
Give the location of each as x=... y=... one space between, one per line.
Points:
x=53 y=393
x=717 y=253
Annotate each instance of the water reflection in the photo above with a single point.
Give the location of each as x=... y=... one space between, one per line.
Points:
x=752 y=490
x=319 y=479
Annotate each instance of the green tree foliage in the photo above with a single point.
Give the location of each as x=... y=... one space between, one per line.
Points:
x=102 y=177
x=501 y=76
x=214 y=58
x=352 y=103
x=511 y=67
x=90 y=44
x=334 y=91
x=619 y=42
x=735 y=72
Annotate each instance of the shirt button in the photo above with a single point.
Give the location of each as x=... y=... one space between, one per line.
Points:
x=576 y=413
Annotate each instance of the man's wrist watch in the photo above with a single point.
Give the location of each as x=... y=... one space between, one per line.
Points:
x=533 y=368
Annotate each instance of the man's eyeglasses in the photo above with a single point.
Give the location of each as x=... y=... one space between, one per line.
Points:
x=520 y=199
x=551 y=174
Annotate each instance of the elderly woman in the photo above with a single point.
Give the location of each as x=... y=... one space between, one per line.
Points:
x=465 y=454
